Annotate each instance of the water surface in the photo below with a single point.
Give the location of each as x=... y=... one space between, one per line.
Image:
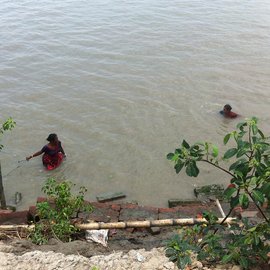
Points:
x=122 y=83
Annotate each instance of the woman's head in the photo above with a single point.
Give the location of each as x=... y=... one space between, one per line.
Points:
x=52 y=137
x=227 y=108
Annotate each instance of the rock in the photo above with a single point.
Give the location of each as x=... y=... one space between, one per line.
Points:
x=236 y=267
x=196 y=265
x=154 y=230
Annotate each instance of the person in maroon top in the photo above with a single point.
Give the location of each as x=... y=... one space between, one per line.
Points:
x=53 y=153
x=227 y=112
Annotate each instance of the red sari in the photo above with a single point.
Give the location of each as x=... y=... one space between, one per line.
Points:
x=52 y=158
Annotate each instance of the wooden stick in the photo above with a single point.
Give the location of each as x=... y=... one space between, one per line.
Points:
x=2 y=193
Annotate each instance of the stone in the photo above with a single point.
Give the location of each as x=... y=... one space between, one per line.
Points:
x=105 y=197
x=196 y=265
x=209 y=192
x=155 y=230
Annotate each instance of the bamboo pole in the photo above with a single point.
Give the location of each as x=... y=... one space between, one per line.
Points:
x=16 y=227
x=146 y=223
x=124 y=225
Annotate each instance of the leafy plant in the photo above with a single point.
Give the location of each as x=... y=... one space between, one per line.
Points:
x=7 y=125
x=57 y=212
x=249 y=175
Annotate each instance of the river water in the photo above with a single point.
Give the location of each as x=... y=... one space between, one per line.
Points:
x=122 y=83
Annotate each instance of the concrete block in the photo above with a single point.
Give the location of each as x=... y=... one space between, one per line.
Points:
x=105 y=197
x=209 y=192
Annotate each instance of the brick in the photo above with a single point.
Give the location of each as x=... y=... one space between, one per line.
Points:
x=20 y=217
x=100 y=205
x=129 y=206
x=32 y=210
x=41 y=199
x=115 y=207
x=166 y=210
x=177 y=202
x=103 y=215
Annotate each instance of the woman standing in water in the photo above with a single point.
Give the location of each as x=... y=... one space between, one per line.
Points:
x=53 y=153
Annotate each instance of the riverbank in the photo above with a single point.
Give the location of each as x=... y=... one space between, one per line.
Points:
x=131 y=248
x=140 y=259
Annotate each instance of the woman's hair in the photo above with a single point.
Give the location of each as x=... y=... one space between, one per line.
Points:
x=52 y=137
x=228 y=107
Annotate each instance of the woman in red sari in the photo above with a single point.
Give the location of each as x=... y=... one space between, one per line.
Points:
x=53 y=153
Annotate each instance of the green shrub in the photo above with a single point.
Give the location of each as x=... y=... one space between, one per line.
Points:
x=249 y=175
x=57 y=212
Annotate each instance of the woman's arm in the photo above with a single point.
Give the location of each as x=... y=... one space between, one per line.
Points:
x=34 y=155
x=61 y=149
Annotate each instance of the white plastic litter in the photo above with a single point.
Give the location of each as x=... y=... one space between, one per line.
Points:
x=140 y=257
x=97 y=236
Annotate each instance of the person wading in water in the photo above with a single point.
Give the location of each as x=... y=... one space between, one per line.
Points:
x=53 y=153
x=227 y=112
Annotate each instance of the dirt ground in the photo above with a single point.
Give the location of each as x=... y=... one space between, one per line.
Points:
x=121 y=240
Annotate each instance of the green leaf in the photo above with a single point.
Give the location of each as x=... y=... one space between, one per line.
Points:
x=253 y=182
x=254 y=129
x=261 y=134
x=244 y=201
x=237 y=163
x=192 y=169
x=185 y=144
x=170 y=156
x=234 y=201
x=242 y=152
x=178 y=166
x=243 y=262
x=226 y=138
x=257 y=195
x=229 y=192
x=241 y=125
x=227 y=258
x=230 y=153
x=215 y=151
x=265 y=189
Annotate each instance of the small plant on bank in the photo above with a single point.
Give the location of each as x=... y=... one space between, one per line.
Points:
x=249 y=174
x=7 y=125
x=57 y=212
